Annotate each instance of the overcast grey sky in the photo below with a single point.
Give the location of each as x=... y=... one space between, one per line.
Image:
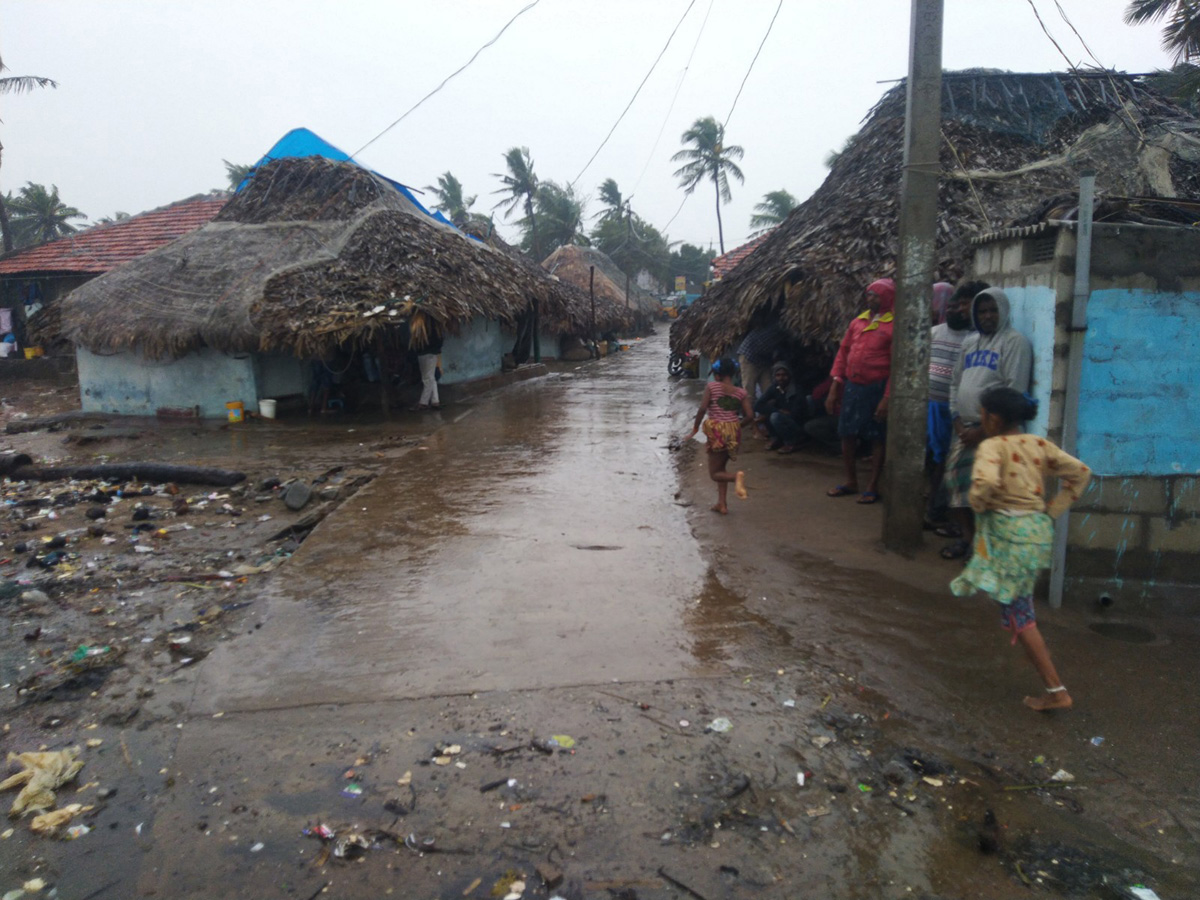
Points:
x=154 y=94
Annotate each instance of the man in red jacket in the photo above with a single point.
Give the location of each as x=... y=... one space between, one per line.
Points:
x=860 y=379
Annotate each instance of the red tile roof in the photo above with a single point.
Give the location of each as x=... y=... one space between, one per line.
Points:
x=723 y=265
x=103 y=247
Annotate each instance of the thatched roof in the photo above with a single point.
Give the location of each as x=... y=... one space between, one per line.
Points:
x=311 y=254
x=569 y=311
x=1011 y=142
x=573 y=264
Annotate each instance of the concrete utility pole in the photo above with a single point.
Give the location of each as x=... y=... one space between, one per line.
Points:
x=904 y=504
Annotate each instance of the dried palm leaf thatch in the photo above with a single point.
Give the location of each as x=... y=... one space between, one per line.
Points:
x=311 y=254
x=573 y=264
x=1010 y=143
x=567 y=312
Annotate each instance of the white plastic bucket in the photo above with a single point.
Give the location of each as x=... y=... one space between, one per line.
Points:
x=266 y=409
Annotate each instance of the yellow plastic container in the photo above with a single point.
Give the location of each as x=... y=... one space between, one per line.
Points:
x=237 y=411
x=33 y=352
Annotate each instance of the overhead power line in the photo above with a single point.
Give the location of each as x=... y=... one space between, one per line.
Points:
x=635 y=93
x=411 y=109
x=752 y=62
x=671 y=108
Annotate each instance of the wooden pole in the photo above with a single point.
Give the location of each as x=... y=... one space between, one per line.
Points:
x=380 y=355
x=904 y=494
x=592 y=297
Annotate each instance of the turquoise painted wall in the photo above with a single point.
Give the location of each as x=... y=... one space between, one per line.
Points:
x=1033 y=315
x=1141 y=384
x=129 y=384
x=549 y=344
x=475 y=352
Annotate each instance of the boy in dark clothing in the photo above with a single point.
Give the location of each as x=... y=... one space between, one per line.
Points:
x=781 y=409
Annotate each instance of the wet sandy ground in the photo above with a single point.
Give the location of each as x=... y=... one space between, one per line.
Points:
x=537 y=562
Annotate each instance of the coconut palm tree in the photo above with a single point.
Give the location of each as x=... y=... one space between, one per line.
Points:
x=706 y=156
x=521 y=184
x=1181 y=30
x=38 y=215
x=614 y=203
x=450 y=200
x=560 y=220
x=773 y=209
x=16 y=84
x=237 y=173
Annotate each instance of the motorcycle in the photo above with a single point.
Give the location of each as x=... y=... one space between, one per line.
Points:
x=685 y=364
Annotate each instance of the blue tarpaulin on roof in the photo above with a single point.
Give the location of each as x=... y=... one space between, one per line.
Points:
x=300 y=142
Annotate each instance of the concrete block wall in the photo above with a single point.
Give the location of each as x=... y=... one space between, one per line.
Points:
x=1137 y=534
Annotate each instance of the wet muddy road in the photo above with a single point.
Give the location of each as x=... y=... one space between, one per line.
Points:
x=537 y=563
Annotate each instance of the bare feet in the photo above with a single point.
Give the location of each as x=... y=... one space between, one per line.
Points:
x=1049 y=701
x=739 y=485
x=721 y=508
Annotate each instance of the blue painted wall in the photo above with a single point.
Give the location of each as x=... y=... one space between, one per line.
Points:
x=475 y=352
x=1033 y=315
x=1141 y=383
x=129 y=384
x=549 y=344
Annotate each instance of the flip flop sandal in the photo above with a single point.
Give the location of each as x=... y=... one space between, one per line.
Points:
x=956 y=550
x=948 y=530
x=840 y=491
x=868 y=498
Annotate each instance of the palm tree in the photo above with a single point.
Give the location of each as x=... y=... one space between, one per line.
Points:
x=237 y=173
x=16 y=84
x=614 y=203
x=1181 y=31
x=560 y=220
x=39 y=215
x=708 y=158
x=773 y=209
x=521 y=184
x=450 y=199
x=115 y=217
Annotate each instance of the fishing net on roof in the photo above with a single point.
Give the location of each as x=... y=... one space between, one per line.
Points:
x=1025 y=105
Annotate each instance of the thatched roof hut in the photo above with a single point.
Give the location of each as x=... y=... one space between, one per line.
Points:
x=573 y=264
x=311 y=254
x=1012 y=144
x=569 y=312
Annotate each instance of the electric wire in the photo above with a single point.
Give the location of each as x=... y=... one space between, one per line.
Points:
x=635 y=94
x=752 y=62
x=411 y=109
x=671 y=108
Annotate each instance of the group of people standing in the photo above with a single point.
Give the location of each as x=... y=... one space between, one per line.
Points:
x=987 y=477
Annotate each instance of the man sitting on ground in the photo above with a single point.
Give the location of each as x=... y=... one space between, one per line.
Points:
x=781 y=410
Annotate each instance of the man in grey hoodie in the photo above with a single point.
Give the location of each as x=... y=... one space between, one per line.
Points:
x=996 y=355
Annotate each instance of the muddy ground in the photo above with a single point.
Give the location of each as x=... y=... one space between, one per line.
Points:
x=518 y=655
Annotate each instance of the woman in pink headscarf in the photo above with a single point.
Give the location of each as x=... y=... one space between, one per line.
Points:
x=942 y=292
x=860 y=377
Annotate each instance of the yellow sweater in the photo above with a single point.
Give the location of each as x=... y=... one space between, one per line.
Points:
x=1011 y=472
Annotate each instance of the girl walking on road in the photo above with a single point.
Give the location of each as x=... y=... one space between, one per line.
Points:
x=728 y=409
x=1014 y=530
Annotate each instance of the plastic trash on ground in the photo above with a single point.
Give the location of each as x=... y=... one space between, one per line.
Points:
x=42 y=775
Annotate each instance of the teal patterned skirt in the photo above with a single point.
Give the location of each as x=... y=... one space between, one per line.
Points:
x=1009 y=553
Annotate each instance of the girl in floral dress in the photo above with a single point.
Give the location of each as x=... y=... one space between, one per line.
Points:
x=727 y=409
x=1014 y=524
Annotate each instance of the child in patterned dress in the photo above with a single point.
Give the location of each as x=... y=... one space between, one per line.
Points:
x=727 y=409
x=1014 y=525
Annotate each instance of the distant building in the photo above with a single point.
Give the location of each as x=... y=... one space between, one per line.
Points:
x=33 y=279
